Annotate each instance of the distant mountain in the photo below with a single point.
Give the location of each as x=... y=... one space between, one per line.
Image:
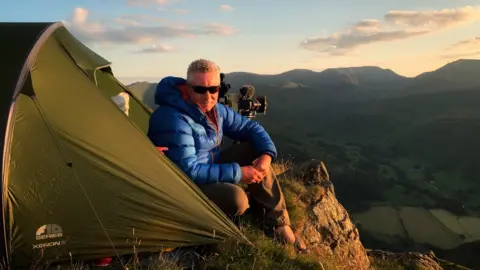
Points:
x=463 y=73
x=368 y=75
x=352 y=83
x=457 y=71
x=343 y=78
x=364 y=83
x=144 y=91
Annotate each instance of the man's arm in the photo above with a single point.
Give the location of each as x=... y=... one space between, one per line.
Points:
x=175 y=133
x=241 y=128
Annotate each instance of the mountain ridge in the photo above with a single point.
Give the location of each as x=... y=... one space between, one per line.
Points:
x=456 y=74
x=349 y=84
x=297 y=70
x=456 y=62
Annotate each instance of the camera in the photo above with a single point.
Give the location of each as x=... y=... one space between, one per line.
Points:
x=248 y=105
x=222 y=95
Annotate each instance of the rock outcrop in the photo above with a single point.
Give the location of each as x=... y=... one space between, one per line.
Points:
x=327 y=228
x=329 y=232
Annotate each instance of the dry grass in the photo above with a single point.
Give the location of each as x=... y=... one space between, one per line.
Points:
x=264 y=254
x=281 y=166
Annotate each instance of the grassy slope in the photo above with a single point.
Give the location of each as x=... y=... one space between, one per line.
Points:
x=265 y=252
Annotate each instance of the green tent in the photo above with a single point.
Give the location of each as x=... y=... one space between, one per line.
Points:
x=79 y=177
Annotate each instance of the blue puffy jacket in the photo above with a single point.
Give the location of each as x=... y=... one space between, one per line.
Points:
x=194 y=142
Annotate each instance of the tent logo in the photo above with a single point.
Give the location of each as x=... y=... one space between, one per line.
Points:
x=49 y=231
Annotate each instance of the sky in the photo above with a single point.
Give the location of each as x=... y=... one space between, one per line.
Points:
x=151 y=39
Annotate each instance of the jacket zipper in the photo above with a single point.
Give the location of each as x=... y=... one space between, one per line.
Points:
x=215 y=126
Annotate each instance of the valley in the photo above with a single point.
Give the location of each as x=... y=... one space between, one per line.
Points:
x=402 y=152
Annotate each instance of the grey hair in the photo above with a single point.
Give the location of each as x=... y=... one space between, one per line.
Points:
x=203 y=66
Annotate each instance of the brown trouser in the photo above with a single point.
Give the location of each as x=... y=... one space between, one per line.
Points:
x=233 y=200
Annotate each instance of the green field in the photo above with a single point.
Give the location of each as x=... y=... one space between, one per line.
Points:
x=436 y=227
x=382 y=220
x=423 y=227
x=472 y=227
x=450 y=220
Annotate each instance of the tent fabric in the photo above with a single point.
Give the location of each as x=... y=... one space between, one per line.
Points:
x=13 y=59
x=80 y=178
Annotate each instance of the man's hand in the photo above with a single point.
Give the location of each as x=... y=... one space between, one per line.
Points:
x=263 y=163
x=251 y=175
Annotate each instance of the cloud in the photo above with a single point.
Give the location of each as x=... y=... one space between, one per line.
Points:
x=162 y=48
x=127 y=21
x=220 y=29
x=79 y=22
x=462 y=49
x=465 y=44
x=137 y=29
x=181 y=11
x=80 y=16
x=396 y=25
x=138 y=20
x=226 y=8
x=461 y=55
x=147 y=2
x=434 y=18
x=367 y=25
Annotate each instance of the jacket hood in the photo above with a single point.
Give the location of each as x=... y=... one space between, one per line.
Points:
x=169 y=93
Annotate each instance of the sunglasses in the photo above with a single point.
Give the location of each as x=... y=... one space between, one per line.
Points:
x=203 y=89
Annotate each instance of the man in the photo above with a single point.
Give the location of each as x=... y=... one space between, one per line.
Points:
x=190 y=125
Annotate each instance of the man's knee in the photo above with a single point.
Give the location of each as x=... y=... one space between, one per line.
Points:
x=230 y=198
x=239 y=201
